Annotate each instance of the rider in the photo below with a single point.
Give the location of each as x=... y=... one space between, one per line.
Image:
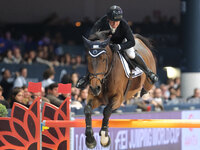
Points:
x=122 y=40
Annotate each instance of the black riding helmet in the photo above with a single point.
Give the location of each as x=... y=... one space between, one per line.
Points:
x=115 y=13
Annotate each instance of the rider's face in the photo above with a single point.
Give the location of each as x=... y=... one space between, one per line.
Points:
x=114 y=24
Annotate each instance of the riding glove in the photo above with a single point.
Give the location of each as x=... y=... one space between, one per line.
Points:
x=115 y=47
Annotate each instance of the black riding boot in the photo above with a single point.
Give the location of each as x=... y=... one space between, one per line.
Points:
x=142 y=65
x=83 y=82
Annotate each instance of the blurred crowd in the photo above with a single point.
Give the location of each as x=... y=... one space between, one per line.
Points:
x=46 y=50
x=42 y=43
x=16 y=91
x=164 y=94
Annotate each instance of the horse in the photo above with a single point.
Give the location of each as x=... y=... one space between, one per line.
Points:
x=108 y=82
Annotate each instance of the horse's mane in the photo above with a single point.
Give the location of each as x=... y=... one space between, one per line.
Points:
x=102 y=35
x=99 y=35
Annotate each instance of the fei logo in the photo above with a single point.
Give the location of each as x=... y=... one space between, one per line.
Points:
x=121 y=140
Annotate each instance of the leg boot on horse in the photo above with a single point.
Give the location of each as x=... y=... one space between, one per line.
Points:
x=142 y=65
x=83 y=82
x=105 y=138
x=90 y=140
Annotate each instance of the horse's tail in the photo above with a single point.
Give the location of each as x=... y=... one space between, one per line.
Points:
x=146 y=41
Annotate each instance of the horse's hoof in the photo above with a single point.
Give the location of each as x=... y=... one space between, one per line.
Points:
x=90 y=143
x=105 y=140
x=107 y=144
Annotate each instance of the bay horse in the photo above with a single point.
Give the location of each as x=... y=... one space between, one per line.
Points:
x=108 y=82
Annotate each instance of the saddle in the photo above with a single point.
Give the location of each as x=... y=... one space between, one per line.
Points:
x=129 y=66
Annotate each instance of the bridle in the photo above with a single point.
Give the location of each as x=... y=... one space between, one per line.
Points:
x=107 y=69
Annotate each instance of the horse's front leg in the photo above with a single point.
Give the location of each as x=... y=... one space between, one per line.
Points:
x=90 y=140
x=105 y=138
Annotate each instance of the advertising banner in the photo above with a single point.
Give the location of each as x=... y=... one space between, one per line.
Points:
x=134 y=138
x=191 y=136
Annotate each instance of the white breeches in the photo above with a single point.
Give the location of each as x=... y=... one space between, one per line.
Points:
x=130 y=52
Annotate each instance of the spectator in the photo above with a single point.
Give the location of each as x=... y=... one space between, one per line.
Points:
x=83 y=96
x=79 y=101
x=52 y=94
x=48 y=77
x=75 y=93
x=170 y=83
x=42 y=95
x=30 y=44
x=62 y=60
x=165 y=91
x=17 y=55
x=9 y=59
x=78 y=60
x=178 y=91
x=45 y=52
x=8 y=40
x=145 y=102
x=74 y=78
x=177 y=82
x=55 y=61
x=158 y=99
x=195 y=98
x=64 y=96
x=66 y=79
x=17 y=95
x=73 y=61
x=2 y=100
x=46 y=40
x=67 y=59
x=31 y=57
x=173 y=99
x=27 y=96
x=172 y=94
x=21 y=79
x=6 y=83
x=41 y=59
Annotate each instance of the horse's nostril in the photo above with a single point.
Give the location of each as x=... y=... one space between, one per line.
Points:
x=98 y=88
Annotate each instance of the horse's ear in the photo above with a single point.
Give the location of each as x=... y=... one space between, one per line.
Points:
x=86 y=42
x=106 y=33
x=106 y=42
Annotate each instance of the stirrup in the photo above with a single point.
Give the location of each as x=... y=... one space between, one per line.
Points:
x=153 y=77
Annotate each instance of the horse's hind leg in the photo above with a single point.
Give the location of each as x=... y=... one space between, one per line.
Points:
x=105 y=139
x=147 y=87
x=90 y=140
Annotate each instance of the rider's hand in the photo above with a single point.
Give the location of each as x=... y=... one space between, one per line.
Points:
x=115 y=47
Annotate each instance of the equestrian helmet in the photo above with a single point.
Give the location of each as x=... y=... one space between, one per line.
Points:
x=115 y=13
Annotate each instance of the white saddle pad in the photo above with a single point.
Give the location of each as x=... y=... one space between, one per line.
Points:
x=135 y=72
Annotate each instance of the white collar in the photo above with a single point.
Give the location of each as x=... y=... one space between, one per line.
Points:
x=112 y=29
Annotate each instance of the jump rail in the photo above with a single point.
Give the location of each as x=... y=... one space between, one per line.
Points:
x=128 y=123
